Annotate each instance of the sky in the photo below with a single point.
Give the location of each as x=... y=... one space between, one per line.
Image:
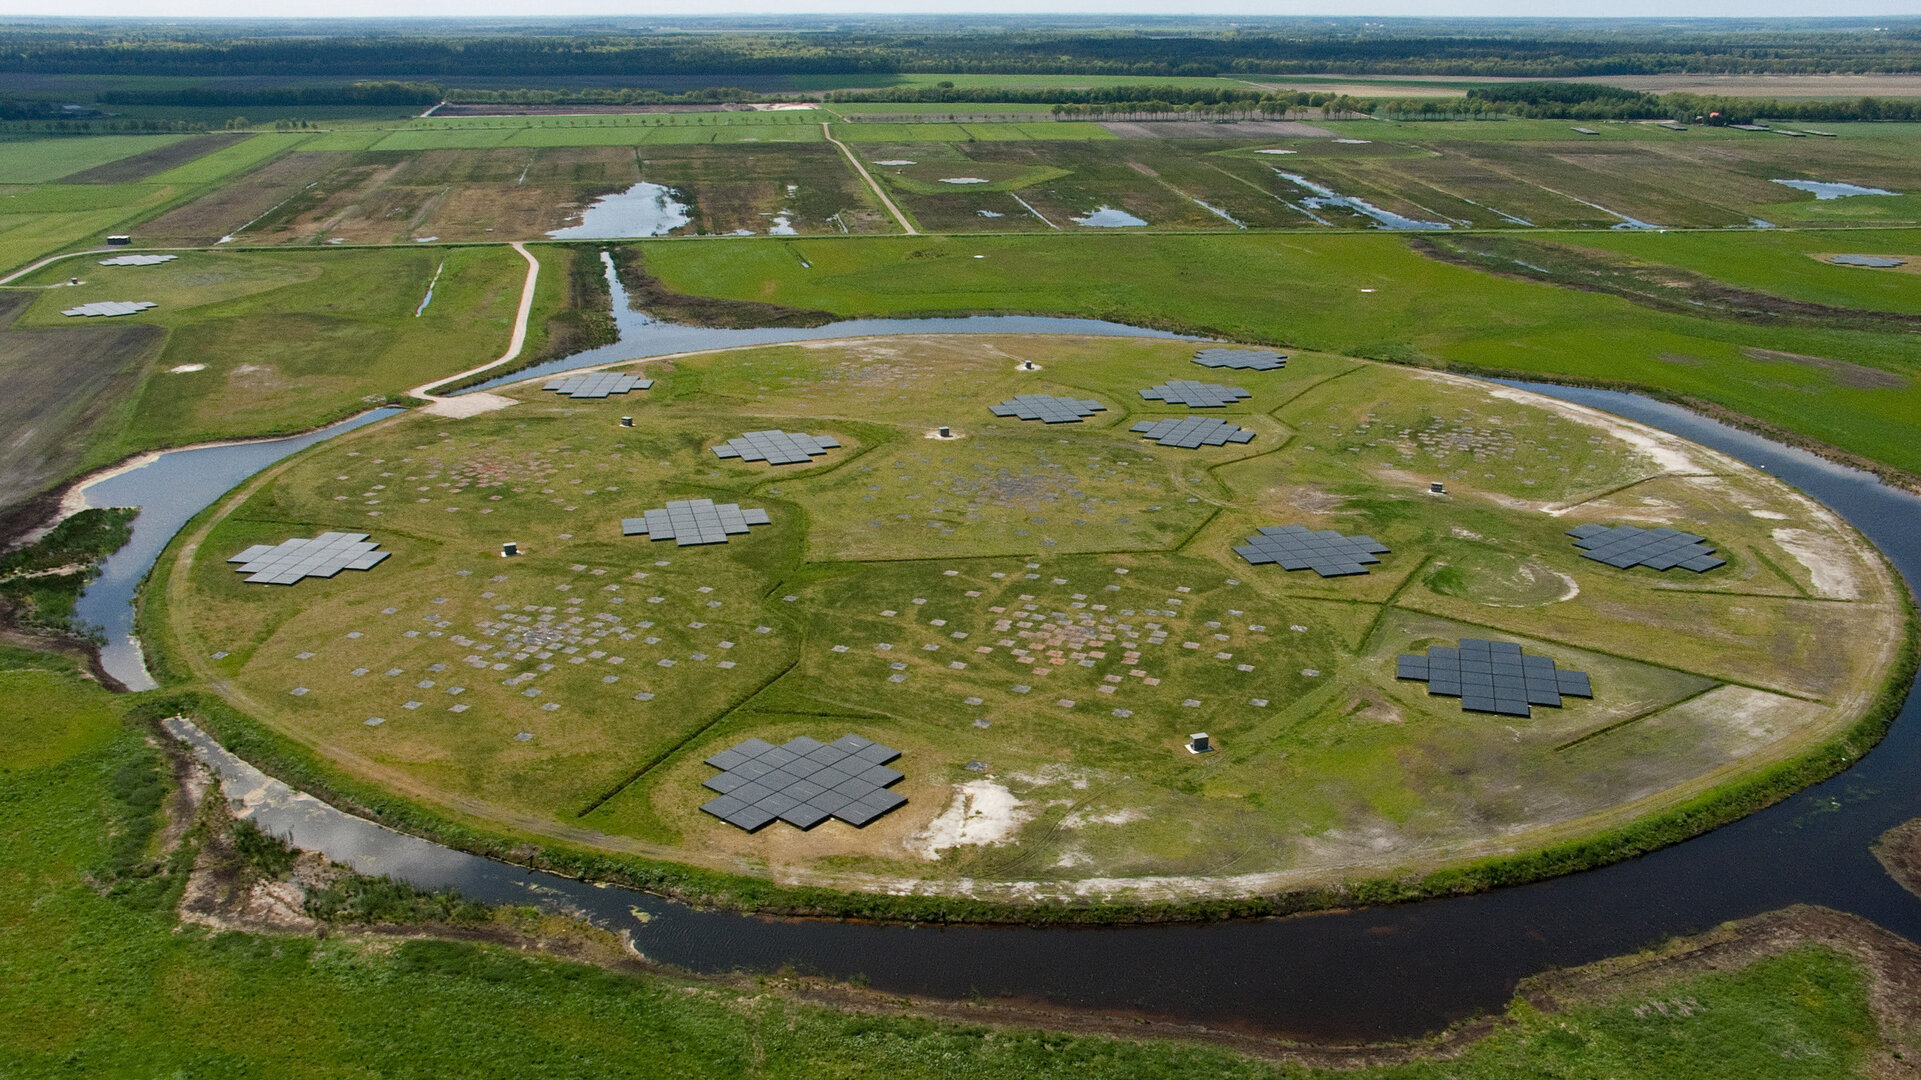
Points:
x=472 y=8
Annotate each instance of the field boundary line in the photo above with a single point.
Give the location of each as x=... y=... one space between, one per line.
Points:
x=826 y=132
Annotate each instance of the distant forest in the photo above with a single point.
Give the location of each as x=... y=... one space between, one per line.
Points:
x=447 y=52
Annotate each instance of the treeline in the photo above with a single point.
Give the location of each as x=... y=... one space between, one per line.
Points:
x=1543 y=49
x=527 y=56
x=1586 y=101
x=594 y=95
x=360 y=93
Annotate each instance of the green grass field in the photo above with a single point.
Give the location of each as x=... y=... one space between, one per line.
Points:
x=273 y=343
x=37 y=161
x=1060 y=602
x=97 y=979
x=1355 y=294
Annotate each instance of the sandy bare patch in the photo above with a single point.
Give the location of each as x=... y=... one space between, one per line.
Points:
x=1081 y=819
x=1830 y=565
x=1669 y=452
x=981 y=814
x=467 y=405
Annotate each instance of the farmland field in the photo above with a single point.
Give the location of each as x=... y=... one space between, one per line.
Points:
x=245 y=344
x=1057 y=604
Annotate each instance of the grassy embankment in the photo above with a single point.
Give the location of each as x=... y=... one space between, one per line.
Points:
x=1360 y=295
x=857 y=568
x=98 y=980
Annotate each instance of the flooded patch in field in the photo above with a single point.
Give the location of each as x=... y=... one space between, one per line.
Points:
x=894 y=161
x=990 y=213
x=429 y=298
x=1220 y=213
x=1823 y=189
x=1106 y=217
x=1277 y=151
x=642 y=210
x=1325 y=197
x=962 y=180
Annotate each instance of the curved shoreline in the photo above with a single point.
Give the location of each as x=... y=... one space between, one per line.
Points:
x=1609 y=836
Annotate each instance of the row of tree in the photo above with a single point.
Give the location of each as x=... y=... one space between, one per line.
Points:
x=1539 y=48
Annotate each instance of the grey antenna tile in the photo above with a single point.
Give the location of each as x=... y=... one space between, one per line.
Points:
x=777 y=447
x=1625 y=546
x=803 y=782
x=1195 y=395
x=690 y=522
x=108 y=309
x=1492 y=677
x=1048 y=409
x=1242 y=359
x=142 y=260
x=322 y=556
x=1324 y=551
x=598 y=384
x=1193 y=432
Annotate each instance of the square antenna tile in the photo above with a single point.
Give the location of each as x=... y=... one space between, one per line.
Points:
x=1195 y=395
x=1193 y=432
x=803 y=782
x=1492 y=677
x=1242 y=359
x=108 y=308
x=1324 y=551
x=1625 y=546
x=598 y=384
x=1047 y=408
x=690 y=522
x=322 y=556
x=776 y=447
x=138 y=260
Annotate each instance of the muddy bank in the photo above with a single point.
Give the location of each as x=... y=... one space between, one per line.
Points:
x=1899 y=850
x=645 y=293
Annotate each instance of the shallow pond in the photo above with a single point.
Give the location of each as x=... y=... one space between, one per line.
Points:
x=1324 y=197
x=642 y=210
x=1822 y=189
x=1107 y=217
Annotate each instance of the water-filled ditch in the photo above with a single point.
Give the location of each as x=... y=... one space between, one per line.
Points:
x=1367 y=974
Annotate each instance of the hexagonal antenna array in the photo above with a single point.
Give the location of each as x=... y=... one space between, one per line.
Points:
x=1242 y=359
x=1193 y=433
x=1625 y=546
x=1195 y=395
x=322 y=556
x=776 y=447
x=1493 y=677
x=1324 y=551
x=803 y=782
x=138 y=260
x=691 y=522
x=598 y=384
x=1047 y=408
x=108 y=308
x=1878 y=261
